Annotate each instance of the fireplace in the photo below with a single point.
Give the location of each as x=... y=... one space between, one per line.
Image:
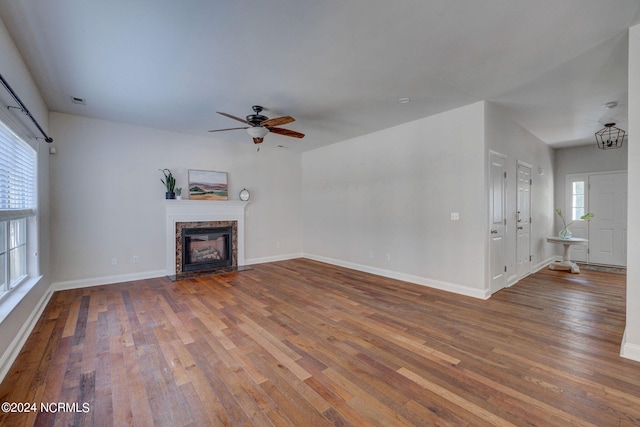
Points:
x=203 y=214
x=206 y=248
x=205 y=245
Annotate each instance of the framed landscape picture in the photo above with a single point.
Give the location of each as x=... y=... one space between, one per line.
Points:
x=208 y=185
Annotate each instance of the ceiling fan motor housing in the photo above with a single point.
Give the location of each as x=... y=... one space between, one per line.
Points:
x=257 y=118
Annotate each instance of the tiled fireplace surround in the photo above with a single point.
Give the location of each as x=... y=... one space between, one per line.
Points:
x=205 y=213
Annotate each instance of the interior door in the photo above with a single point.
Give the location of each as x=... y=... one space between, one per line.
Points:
x=523 y=221
x=608 y=228
x=497 y=220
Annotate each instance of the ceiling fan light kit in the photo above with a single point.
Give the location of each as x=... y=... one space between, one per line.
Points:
x=257 y=132
x=259 y=126
x=610 y=137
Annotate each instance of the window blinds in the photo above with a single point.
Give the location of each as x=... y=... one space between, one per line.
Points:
x=17 y=176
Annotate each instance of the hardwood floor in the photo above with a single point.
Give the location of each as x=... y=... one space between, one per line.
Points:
x=302 y=343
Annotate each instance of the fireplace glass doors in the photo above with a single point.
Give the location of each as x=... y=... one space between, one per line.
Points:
x=206 y=248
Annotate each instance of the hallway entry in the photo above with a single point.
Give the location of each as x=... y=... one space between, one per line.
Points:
x=605 y=196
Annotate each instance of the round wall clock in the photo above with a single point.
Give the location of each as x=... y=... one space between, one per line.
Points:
x=244 y=195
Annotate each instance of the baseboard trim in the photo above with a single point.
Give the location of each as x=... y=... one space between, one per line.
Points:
x=274 y=258
x=106 y=280
x=629 y=350
x=539 y=266
x=418 y=280
x=11 y=353
x=425 y=281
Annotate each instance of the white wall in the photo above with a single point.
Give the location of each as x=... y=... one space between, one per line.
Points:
x=588 y=158
x=15 y=327
x=631 y=346
x=392 y=192
x=108 y=201
x=512 y=140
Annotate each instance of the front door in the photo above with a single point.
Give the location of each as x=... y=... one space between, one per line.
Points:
x=497 y=221
x=608 y=228
x=523 y=221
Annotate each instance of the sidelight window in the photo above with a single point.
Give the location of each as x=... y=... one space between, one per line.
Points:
x=578 y=208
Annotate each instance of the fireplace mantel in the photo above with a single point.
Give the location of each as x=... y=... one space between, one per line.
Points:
x=201 y=210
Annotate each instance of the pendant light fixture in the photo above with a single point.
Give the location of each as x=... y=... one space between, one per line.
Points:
x=610 y=137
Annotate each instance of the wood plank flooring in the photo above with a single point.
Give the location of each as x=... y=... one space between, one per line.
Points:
x=301 y=343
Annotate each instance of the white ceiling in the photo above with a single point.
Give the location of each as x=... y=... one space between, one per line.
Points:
x=339 y=67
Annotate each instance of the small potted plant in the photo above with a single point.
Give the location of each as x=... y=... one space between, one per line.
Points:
x=169 y=182
x=178 y=193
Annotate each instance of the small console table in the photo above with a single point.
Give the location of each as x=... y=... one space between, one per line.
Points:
x=566 y=263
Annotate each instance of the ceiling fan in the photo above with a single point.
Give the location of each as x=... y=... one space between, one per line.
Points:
x=260 y=125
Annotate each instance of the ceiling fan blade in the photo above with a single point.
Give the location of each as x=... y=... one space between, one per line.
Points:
x=257 y=140
x=220 y=130
x=234 y=118
x=278 y=121
x=287 y=132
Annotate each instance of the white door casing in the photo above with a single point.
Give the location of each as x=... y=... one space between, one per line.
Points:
x=523 y=221
x=497 y=221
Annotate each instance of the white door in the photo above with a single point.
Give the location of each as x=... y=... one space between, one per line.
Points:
x=523 y=221
x=497 y=220
x=608 y=228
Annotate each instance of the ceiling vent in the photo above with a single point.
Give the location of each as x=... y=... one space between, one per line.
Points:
x=79 y=101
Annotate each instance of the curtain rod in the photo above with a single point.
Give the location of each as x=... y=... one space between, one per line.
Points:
x=24 y=108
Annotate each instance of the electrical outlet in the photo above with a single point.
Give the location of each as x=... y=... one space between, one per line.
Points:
x=114 y=261
x=388 y=256
x=455 y=216
x=370 y=254
x=135 y=259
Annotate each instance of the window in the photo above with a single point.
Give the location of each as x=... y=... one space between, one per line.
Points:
x=577 y=200
x=577 y=195
x=17 y=210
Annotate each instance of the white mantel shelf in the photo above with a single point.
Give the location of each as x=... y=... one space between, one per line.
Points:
x=204 y=204
x=201 y=210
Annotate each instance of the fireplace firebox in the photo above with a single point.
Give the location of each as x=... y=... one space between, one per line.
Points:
x=206 y=248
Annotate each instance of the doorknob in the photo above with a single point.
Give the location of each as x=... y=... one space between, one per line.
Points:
x=494 y=231
x=520 y=228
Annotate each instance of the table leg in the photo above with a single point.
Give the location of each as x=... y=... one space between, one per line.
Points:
x=566 y=263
